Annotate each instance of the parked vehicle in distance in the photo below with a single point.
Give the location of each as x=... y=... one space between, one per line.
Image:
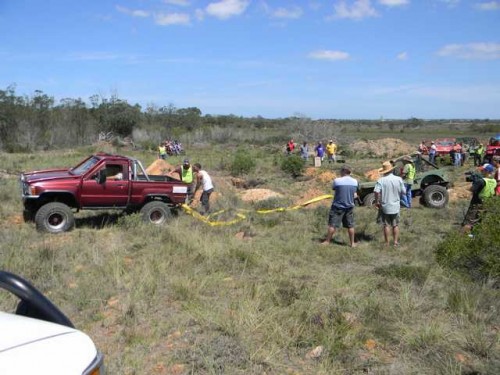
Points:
x=470 y=144
x=444 y=145
x=492 y=149
x=431 y=183
x=39 y=339
x=100 y=182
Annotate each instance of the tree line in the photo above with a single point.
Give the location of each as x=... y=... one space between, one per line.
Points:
x=37 y=122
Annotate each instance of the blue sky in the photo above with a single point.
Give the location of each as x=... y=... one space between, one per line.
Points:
x=340 y=59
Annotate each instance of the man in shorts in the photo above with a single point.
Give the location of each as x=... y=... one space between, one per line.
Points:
x=342 y=209
x=389 y=190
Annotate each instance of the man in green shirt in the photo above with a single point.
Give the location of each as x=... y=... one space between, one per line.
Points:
x=408 y=177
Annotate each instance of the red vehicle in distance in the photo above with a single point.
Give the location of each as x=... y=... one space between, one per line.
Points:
x=444 y=145
x=492 y=149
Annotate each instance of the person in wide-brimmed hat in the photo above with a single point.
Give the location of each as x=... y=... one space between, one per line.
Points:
x=387 y=167
x=389 y=190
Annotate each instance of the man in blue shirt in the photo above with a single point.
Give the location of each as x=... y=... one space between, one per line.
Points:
x=342 y=210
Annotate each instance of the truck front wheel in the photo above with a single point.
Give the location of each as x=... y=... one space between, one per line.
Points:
x=54 y=217
x=369 y=200
x=156 y=212
x=435 y=196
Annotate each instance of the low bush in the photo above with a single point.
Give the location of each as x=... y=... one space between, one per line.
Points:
x=293 y=165
x=477 y=256
x=243 y=163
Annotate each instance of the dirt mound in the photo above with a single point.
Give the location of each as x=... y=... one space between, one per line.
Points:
x=254 y=195
x=326 y=177
x=386 y=147
x=159 y=167
x=313 y=193
x=373 y=175
x=460 y=191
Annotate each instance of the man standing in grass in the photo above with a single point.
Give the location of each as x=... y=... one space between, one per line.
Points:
x=204 y=180
x=389 y=190
x=408 y=176
x=342 y=209
x=331 y=151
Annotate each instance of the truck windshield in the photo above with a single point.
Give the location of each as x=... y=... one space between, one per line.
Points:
x=84 y=166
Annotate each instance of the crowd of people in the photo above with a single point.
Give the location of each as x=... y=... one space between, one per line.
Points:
x=169 y=147
x=329 y=150
x=393 y=192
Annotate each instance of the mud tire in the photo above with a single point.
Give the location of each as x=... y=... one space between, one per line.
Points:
x=369 y=200
x=436 y=196
x=156 y=212
x=54 y=217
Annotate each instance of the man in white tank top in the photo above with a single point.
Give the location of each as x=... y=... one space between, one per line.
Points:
x=204 y=180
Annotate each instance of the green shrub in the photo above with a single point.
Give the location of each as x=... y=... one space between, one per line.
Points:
x=243 y=163
x=477 y=256
x=293 y=165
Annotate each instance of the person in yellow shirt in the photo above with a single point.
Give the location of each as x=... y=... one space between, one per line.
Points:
x=331 y=151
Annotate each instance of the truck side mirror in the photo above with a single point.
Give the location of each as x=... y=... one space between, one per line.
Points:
x=101 y=177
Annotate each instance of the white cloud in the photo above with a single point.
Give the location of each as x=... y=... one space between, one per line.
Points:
x=199 y=14
x=172 y=19
x=402 y=56
x=225 y=9
x=133 y=13
x=358 y=10
x=450 y=3
x=394 y=3
x=329 y=55
x=472 y=51
x=93 y=56
x=182 y=3
x=490 y=5
x=291 y=13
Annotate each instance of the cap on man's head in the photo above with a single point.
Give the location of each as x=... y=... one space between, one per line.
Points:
x=331 y=141
x=186 y=161
x=432 y=141
x=408 y=159
x=487 y=168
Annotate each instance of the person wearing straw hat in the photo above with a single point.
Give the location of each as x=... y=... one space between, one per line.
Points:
x=342 y=210
x=389 y=190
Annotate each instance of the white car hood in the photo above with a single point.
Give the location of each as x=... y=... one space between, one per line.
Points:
x=35 y=346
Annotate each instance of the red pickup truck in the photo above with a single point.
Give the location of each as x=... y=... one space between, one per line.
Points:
x=101 y=181
x=444 y=146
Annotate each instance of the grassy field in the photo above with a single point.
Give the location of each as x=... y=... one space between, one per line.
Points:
x=261 y=296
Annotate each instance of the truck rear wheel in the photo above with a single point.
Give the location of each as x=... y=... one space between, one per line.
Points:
x=435 y=196
x=156 y=212
x=54 y=217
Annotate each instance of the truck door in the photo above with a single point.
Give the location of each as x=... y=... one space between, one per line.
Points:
x=109 y=190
